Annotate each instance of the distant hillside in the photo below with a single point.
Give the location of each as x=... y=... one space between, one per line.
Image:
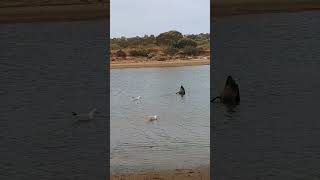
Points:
x=171 y=44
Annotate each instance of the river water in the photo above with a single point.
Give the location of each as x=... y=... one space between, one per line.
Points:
x=179 y=138
x=48 y=70
x=274 y=132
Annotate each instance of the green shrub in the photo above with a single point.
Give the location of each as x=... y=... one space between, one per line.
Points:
x=121 y=53
x=191 y=51
x=170 y=50
x=139 y=52
x=185 y=42
x=114 y=46
x=168 y=38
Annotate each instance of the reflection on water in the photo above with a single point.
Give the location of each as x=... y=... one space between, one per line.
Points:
x=273 y=133
x=179 y=138
x=48 y=70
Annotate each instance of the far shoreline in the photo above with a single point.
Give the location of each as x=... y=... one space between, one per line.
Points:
x=153 y=64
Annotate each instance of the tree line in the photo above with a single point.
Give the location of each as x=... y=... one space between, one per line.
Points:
x=167 y=43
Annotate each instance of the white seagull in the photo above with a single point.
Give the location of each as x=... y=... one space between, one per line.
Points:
x=153 y=118
x=85 y=117
x=136 y=98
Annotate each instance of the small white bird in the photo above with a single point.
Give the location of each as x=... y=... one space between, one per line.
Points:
x=85 y=117
x=153 y=118
x=136 y=98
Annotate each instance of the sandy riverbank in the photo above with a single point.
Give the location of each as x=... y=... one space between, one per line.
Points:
x=202 y=173
x=52 y=12
x=168 y=63
x=233 y=8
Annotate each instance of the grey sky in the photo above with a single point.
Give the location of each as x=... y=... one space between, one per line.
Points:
x=139 y=17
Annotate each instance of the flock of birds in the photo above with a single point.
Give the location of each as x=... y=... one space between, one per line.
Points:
x=91 y=114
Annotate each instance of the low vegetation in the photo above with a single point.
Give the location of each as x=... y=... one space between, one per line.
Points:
x=167 y=45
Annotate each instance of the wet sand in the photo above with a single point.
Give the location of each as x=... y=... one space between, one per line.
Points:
x=16 y=13
x=169 y=63
x=202 y=173
x=231 y=8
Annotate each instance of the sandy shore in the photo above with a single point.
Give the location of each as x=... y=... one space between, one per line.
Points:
x=231 y=8
x=202 y=173
x=67 y=12
x=171 y=63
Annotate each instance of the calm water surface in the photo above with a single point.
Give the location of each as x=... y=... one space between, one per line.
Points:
x=48 y=70
x=181 y=136
x=274 y=133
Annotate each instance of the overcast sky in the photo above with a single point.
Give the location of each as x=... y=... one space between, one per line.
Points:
x=139 y=17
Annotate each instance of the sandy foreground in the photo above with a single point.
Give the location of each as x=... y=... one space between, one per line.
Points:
x=35 y=11
x=202 y=173
x=171 y=63
x=231 y=7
